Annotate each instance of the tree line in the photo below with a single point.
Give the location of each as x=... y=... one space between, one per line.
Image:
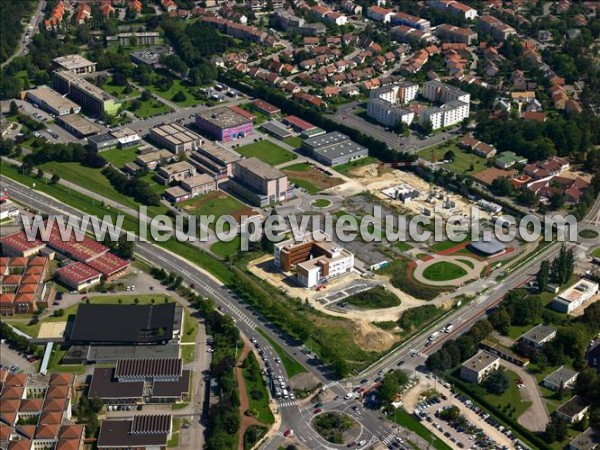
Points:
x=135 y=187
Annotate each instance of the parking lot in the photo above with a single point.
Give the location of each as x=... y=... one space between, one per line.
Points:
x=11 y=359
x=474 y=430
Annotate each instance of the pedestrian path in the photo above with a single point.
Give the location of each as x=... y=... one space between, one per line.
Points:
x=331 y=384
x=287 y=403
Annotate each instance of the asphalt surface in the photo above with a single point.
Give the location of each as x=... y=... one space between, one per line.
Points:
x=34 y=25
x=410 y=357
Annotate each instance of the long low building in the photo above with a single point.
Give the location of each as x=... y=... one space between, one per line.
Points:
x=575 y=296
x=141 y=432
x=334 y=148
x=91 y=98
x=51 y=101
x=176 y=138
x=78 y=126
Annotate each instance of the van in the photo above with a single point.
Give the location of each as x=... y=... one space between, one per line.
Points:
x=286 y=394
x=448 y=328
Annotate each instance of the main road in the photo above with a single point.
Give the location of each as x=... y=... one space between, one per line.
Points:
x=29 y=31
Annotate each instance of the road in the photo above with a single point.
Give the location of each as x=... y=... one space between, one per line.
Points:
x=32 y=26
x=296 y=415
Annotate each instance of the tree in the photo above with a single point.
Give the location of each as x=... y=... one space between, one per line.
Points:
x=126 y=247
x=427 y=128
x=501 y=320
x=14 y=109
x=527 y=197
x=556 y=202
x=543 y=276
x=556 y=430
x=55 y=179
x=449 y=156
x=497 y=382
x=501 y=186
x=146 y=96
x=179 y=97
x=391 y=384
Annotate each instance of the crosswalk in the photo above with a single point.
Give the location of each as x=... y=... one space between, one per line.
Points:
x=330 y=384
x=287 y=403
x=389 y=439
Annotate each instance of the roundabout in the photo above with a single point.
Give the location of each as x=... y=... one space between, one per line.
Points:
x=320 y=203
x=448 y=270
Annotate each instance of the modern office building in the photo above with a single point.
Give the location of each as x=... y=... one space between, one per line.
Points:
x=51 y=101
x=223 y=124
x=259 y=183
x=334 y=148
x=215 y=160
x=91 y=98
x=575 y=296
x=75 y=64
x=315 y=261
x=176 y=138
x=479 y=366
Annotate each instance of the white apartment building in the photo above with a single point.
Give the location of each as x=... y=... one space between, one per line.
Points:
x=379 y=14
x=448 y=114
x=479 y=366
x=438 y=92
x=575 y=296
x=402 y=93
x=388 y=114
x=453 y=7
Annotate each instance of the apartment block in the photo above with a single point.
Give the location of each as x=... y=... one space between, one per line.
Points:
x=409 y=20
x=439 y=92
x=75 y=64
x=91 y=98
x=498 y=29
x=454 y=8
x=479 y=366
x=448 y=114
x=451 y=33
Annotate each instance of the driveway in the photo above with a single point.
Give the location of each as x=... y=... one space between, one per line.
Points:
x=535 y=418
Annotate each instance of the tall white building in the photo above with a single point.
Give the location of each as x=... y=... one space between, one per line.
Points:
x=384 y=104
x=575 y=296
x=438 y=92
x=454 y=109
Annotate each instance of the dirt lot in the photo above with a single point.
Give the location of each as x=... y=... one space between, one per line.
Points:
x=369 y=337
x=375 y=180
x=316 y=177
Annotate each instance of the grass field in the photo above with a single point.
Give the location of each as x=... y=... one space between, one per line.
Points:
x=216 y=203
x=292 y=367
x=267 y=152
x=191 y=97
x=443 y=271
x=510 y=398
x=588 y=234
x=258 y=397
x=462 y=162
x=148 y=109
x=118 y=91
x=305 y=184
x=294 y=141
x=119 y=157
x=402 y=246
x=596 y=253
x=346 y=168
x=445 y=245
x=375 y=298
x=321 y=203
x=300 y=167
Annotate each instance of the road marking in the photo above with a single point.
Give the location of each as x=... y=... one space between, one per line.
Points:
x=331 y=384
x=287 y=403
x=389 y=439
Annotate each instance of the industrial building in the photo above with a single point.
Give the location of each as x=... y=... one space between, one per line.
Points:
x=75 y=64
x=334 y=148
x=214 y=160
x=223 y=124
x=91 y=98
x=140 y=432
x=575 y=296
x=259 y=183
x=315 y=261
x=51 y=101
x=176 y=138
x=479 y=366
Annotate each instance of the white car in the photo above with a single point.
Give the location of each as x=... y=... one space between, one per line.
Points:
x=349 y=395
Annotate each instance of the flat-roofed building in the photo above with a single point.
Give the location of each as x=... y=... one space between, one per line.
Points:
x=76 y=64
x=334 y=148
x=588 y=440
x=148 y=432
x=448 y=114
x=139 y=37
x=150 y=57
x=388 y=114
x=315 y=261
x=538 y=336
x=51 y=101
x=91 y=98
x=215 y=160
x=223 y=124
x=176 y=138
x=439 y=92
x=153 y=158
x=563 y=377
x=478 y=367
x=176 y=194
x=178 y=171
x=575 y=296
x=78 y=125
x=276 y=129
x=199 y=184
x=126 y=137
x=259 y=183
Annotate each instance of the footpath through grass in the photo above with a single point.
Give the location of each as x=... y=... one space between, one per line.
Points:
x=292 y=367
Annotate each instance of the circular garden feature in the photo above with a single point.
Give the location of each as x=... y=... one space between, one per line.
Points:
x=443 y=271
x=321 y=203
x=588 y=234
x=336 y=427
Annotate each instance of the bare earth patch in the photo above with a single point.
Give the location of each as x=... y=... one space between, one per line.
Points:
x=370 y=338
x=315 y=177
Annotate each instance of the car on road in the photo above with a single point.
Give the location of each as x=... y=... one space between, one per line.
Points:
x=361 y=443
x=318 y=405
x=318 y=410
x=288 y=432
x=349 y=395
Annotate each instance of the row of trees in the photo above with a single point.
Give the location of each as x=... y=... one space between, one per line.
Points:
x=134 y=187
x=559 y=271
x=13 y=12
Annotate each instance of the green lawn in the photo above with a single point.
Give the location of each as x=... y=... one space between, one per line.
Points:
x=321 y=203
x=596 y=253
x=511 y=397
x=292 y=367
x=300 y=167
x=267 y=152
x=256 y=390
x=119 y=157
x=402 y=418
x=93 y=180
x=588 y=234
x=375 y=298
x=462 y=161
x=310 y=188
x=148 y=109
x=223 y=249
x=402 y=246
x=294 y=141
x=174 y=441
x=445 y=245
x=216 y=203
x=190 y=327
x=346 y=168
x=443 y=271
x=118 y=91
x=193 y=95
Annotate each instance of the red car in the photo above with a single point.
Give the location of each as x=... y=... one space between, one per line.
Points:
x=318 y=410
x=288 y=432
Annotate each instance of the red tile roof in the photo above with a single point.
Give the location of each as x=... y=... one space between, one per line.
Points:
x=77 y=273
